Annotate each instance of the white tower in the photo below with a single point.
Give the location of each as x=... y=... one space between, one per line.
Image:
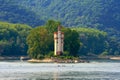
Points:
x=58 y=42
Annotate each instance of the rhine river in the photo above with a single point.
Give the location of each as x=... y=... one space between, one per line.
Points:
x=95 y=70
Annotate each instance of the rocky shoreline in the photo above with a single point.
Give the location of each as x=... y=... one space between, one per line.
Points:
x=47 y=60
x=57 y=61
x=115 y=58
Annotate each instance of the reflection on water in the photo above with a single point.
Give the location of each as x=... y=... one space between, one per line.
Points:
x=96 y=70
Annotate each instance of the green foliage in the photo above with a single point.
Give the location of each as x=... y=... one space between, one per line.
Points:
x=4 y=47
x=99 y=14
x=113 y=41
x=52 y=26
x=71 y=41
x=40 y=40
x=92 y=13
x=50 y=54
x=13 y=39
x=92 y=41
x=13 y=13
x=65 y=53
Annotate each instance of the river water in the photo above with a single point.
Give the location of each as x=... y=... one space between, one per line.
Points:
x=95 y=70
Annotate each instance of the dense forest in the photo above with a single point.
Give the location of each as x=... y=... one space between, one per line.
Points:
x=90 y=13
x=10 y=12
x=71 y=13
x=20 y=39
x=13 y=39
x=96 y=21
x=41 y=41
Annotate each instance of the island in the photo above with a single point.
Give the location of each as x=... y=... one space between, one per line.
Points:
x=58 y=55
x=57 y=60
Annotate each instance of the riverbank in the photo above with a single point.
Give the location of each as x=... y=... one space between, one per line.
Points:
x=14 y=57
x=57 y=61
x=115 y=58
x=9 y=58
x=100 y=58
x=83 y=59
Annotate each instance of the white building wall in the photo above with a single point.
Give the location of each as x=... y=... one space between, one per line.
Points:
x=55 y=43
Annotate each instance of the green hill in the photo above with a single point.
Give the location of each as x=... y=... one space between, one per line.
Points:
x=90 y=13
x=72 y=13
x=11 y=12
x=100 y=14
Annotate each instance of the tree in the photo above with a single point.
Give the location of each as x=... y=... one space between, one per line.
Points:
x=71 y=41
x=52 y=26
x=40 y=40
x=4 y=47
x=13 y=39
x=92 y=41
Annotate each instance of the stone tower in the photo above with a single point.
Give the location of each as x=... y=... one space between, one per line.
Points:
x=58 y=42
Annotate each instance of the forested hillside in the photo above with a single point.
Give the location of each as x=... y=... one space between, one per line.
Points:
x=98 y=14
x=11 y=12
x=90 y=13
x=72 y=13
